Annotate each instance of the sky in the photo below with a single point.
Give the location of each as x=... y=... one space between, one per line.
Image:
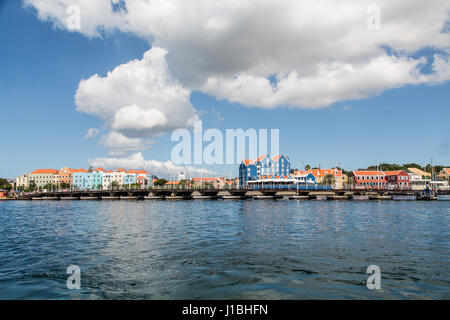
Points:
x=342 y=82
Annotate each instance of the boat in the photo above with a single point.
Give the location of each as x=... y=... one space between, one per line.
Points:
x=380 y=197
x=427 y=195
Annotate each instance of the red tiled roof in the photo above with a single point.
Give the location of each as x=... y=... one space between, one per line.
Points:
x=78 y=170
x=393 y=173
x=204 y=179
x=447 y=170
x=100 y=169
x=44 y=171
x=120 y=170
x=131 y=171
x=324 y=172
x=141 y=172
x=368 y=173
x=247 y=162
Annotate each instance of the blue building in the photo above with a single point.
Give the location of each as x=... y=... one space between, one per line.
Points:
x=129 y=178
x=247 y=172
x=264 y=167
x=80 y=179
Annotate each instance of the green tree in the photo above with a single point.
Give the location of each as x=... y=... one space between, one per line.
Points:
x=328 y=180
x=64 y=185
x=115 y=185
x=4 y=184
x=307 y=167
x=160 y=182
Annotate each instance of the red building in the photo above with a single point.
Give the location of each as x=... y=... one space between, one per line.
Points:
x=370 y=179
x=398 y=179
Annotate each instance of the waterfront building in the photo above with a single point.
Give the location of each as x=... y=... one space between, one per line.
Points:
x=129 y=178
x=22 y=181
x=119 y=176
x=144 y=178
x=422 y=173
x=369 y=179
x=65 y=175
x=417 y=181
x=181 y=176
x=304 y=178
x=81 y=179
x=247 y=172
x=341 y=180
x=278 y=165
x=397 y=179
x=263 y=166
x=96 y=179
x=107 y=179
x=42 y=177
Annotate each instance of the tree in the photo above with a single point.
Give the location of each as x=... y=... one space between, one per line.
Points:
x=328 y=180
x=31 y=187
x=4 y=184
x=99 y=187
x=307 y=167
x=115 y=185
x=160 y=182
x=64 y=185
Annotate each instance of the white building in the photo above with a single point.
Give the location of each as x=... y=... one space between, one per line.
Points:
x=181 y=176
x=107 y=179
x=22 y=181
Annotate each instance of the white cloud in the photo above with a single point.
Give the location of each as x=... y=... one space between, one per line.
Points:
x=137 y=161
x=319 y=51
x=118 y=144
x=92 y=133
x=138 y=98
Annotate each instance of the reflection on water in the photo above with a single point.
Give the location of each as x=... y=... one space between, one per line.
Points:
x=224 y=249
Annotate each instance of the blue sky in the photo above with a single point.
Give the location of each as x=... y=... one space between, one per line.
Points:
x=41 y=67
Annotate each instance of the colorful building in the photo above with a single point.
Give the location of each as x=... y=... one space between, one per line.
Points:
x=65 y=175
x=247 y=172
x=119 y=176
x=397 y=179
x=340 y=179
x=369 y=179
x=129 y=178
x=81 y=180
x=264 y=166
x=42 y=177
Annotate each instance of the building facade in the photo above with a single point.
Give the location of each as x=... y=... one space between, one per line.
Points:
x=263 y=166
x=369 y=179
x=397 y=179
x=22 y=181
x=42 y=177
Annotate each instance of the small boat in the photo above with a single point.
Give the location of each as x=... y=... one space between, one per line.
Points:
x=427 y=195
x=380 y=197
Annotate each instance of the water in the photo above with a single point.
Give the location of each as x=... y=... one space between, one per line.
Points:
x=224 y=249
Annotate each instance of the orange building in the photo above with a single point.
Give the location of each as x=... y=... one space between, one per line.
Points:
x=65 y=175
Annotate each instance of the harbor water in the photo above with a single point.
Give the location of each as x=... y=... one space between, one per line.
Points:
x=224 y=249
